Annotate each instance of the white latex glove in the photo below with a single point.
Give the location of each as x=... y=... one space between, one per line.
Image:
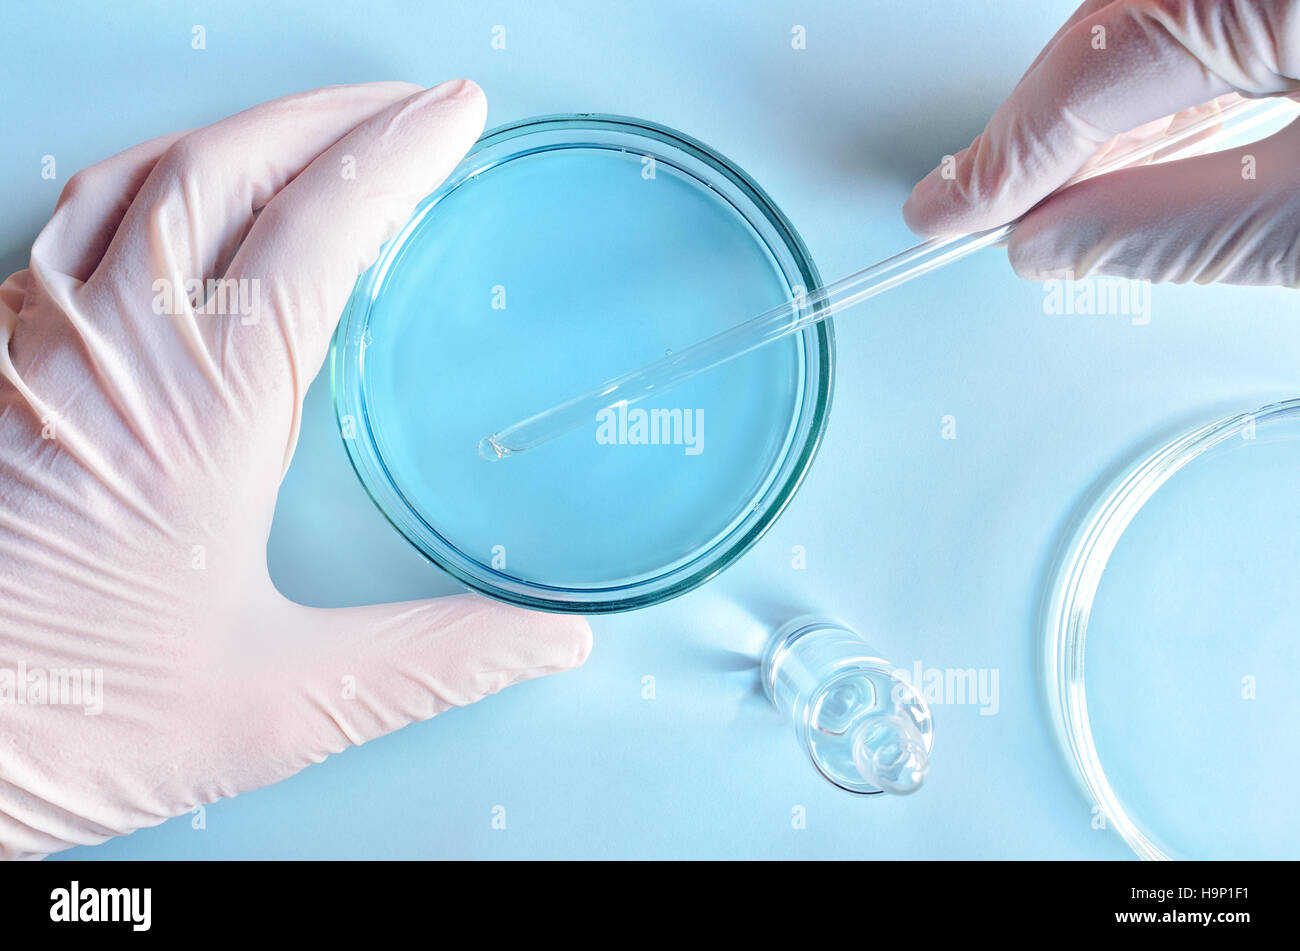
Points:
x=141 y=454
x=1199 y=219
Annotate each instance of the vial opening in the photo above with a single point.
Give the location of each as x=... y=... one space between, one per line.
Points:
x=890 y=752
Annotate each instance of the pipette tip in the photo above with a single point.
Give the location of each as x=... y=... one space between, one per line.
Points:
x=491 y=450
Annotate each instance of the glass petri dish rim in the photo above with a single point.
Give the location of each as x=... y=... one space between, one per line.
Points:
x=787 y=250
x=1075 y=580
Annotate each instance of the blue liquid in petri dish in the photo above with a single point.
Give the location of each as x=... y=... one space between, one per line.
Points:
x=552 y=273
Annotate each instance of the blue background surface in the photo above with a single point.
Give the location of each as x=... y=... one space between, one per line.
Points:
x=937 y=548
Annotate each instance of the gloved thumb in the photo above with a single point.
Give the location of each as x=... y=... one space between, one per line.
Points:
x=325 y=227
x=344 y=676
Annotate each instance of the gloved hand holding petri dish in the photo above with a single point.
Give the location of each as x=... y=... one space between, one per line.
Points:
x=144 y=433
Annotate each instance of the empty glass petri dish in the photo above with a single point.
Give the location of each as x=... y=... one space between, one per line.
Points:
x=1173 y=644
x=563 y=251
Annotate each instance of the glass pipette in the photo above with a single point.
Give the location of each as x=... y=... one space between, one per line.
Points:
x=1232 y=118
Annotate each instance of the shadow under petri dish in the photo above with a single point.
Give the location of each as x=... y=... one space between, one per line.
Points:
x=537 y=278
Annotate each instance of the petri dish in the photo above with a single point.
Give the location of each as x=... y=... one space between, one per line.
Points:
x=563 y=251
x=1172 y=646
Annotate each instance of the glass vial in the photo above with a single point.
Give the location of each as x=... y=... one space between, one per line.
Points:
x=865 y=728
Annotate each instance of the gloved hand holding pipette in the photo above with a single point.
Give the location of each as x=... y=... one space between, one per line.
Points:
x=147 y=664
x=1120 y=65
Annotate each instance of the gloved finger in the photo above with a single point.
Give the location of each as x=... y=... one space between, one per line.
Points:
x=1162 y=128
x=1126 y=64
x=1231 y=216
x=200 y=199
x=1082 y=12
x=326 y=227
x=360 y=673
x=302 y=257
x=90 y=209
